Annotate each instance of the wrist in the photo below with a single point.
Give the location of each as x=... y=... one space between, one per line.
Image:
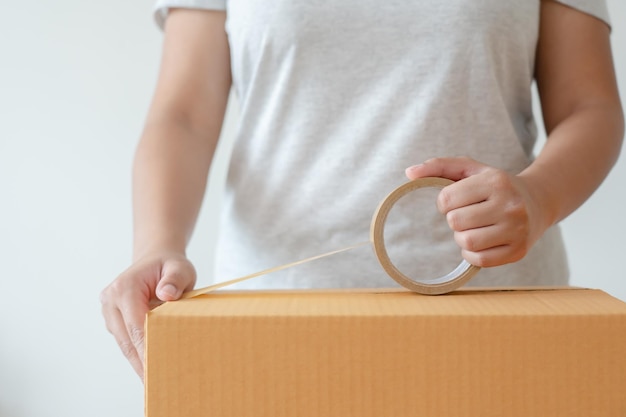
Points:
x=156 y=247
x=543 y=198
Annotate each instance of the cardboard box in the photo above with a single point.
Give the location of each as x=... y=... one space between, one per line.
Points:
x=388 y=353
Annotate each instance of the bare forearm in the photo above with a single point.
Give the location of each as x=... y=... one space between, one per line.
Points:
x=577 y=157
x=581 y=110
x=169 y=179
x=170 y=172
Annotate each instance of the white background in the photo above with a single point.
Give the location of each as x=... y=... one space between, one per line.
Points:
x=75 y=81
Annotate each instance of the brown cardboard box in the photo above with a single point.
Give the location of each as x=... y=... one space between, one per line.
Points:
x=388 y=353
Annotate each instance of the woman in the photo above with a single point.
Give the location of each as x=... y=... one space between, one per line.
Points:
x=337 y=100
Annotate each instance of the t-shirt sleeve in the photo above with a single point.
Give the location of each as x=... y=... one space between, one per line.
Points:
x=596 y=8
x=162 y=7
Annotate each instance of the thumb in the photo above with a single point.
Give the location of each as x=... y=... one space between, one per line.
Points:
x=176 y=277
x=451 y=168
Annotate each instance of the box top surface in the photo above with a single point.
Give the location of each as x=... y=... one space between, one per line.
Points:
x=397 y=302
x=370 y=353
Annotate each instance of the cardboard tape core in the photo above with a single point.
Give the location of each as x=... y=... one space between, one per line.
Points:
x=439 y=285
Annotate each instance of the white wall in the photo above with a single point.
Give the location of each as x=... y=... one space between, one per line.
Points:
x=75 y=80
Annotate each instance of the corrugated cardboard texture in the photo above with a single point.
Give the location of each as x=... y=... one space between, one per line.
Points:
x=540 y=353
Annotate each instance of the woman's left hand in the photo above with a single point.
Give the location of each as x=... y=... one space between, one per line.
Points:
x=496 y=217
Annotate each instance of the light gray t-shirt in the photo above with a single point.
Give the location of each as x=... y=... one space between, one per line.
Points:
x=338 y=98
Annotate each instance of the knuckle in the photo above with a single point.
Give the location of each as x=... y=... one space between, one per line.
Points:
x=454 y=220
x=499 y=179
x=104 y=296
x=183 y=273
x=188 y=269
x=127 y=348
x=175 y=276
x=443 y=201
x=516 y=204
x=480 y=259
x=112 y=290
x=467 y=241
x=108 y=295
x=136 y=334
x=515 y=212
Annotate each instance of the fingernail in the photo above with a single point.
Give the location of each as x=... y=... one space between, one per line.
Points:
x=169 y=290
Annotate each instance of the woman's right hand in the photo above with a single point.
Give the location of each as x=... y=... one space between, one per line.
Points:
x=170 y=172
x=148 y=282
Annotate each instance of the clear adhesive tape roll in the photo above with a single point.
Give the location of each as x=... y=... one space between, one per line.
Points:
x=439 y=285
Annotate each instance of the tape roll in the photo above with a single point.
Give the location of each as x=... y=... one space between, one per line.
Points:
x=439 y=285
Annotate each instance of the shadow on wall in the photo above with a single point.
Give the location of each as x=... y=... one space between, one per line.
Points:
x=4 y=412
x=13 y=384
x=9 y=411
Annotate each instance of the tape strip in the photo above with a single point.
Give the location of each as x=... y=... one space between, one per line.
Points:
x=219 y=285
x=440 y=285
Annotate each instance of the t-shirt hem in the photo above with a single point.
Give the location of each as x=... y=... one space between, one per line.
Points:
x=597 y=9
x=162 y=7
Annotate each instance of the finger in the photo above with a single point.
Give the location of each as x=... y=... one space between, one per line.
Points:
x=474 y=216
x=466 y=192
x=476 y=240
x=496 y=256
x=451 y=168
x=177 y=277
x=133 y=309
x=115 y=325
